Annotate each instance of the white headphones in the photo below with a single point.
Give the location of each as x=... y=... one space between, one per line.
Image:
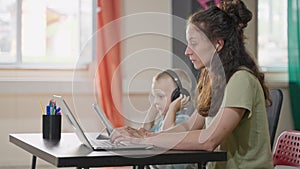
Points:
x=217 y=46
x=216 y=51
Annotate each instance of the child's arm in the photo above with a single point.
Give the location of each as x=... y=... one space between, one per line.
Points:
x=150 y=118
x=170 y=118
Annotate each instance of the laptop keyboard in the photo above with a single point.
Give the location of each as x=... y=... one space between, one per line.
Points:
x=106 y=144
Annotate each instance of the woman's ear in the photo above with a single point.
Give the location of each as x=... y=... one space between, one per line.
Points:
x=219 y=45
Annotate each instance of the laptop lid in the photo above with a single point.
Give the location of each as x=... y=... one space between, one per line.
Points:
x=93 y=143
x=66 y=111
x=101 y=114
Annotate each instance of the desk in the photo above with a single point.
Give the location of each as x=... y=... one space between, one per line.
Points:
x=69 y=152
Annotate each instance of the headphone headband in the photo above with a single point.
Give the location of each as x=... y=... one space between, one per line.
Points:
x=174 y=77
x=179 y=90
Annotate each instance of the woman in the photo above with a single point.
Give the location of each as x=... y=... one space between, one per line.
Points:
x=231 y=111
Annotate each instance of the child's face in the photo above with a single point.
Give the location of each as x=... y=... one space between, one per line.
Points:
x=161 y=92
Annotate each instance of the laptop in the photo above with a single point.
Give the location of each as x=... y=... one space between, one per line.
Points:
x=90 y=140
x=104 y=119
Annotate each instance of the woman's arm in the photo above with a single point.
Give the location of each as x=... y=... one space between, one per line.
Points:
x=206 y=139
x=222 y=126
x=195 y=122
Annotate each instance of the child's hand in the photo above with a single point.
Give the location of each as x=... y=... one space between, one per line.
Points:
x=185 y=101
x=180 y=102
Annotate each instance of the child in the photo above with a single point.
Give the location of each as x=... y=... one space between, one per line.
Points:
x=170 y=100
x=170 y=105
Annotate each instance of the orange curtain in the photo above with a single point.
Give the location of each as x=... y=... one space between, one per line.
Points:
x=108 y=54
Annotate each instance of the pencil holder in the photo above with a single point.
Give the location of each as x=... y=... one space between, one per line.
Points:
x=51 y=127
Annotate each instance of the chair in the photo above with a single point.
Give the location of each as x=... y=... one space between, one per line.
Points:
x=287 y=150
x=273 y=112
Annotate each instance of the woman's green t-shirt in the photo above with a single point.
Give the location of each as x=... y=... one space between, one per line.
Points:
x=248 y=147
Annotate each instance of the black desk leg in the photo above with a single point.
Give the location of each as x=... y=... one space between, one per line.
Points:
x=141 y=166
x=33 y=162
x=201 y=165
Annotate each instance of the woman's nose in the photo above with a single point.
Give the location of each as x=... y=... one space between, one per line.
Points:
x=187 y=51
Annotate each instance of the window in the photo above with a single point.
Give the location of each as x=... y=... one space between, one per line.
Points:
x=45 y=33
x=272 y=35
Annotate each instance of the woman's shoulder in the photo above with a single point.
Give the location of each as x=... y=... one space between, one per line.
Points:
x=243 y=74
x=243 y=79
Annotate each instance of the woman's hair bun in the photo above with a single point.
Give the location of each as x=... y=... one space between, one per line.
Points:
x=238 y=11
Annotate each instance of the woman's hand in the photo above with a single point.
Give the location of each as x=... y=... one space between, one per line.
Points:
x=128 y=134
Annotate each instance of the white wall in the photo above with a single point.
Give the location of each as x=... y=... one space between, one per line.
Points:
x=21 y=91
x=147 y=49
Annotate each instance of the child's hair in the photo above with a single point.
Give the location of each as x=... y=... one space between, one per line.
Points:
x=183 y=77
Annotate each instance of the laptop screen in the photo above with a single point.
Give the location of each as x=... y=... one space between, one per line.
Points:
x=104 y=119
x=66 y=111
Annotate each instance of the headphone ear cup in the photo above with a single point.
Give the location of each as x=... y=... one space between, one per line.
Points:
x=175 y=94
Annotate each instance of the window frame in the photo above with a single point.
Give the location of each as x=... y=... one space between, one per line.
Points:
x=271 y=69
x=19 y=65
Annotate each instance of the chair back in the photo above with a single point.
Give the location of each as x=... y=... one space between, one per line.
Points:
x=287 y=150
x=273 y=112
